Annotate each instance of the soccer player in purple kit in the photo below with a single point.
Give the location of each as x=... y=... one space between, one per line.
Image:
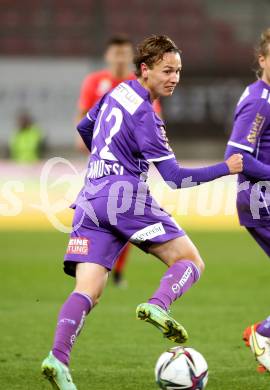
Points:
x=251 y=137
x=124 y=135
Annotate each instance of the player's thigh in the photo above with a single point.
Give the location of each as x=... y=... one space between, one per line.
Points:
x=179 y=248
x=149 y=229
x=155 y=231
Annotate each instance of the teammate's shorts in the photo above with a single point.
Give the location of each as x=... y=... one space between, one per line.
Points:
x=99 y=233
x=262 y=235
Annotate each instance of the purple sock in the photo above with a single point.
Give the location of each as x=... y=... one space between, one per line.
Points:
x=175 y=282
x=264 y=328
x=70 y=322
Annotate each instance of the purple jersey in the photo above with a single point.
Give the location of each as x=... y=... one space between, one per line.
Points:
x=127 y=134
x=115 y=206
x=124 y=135
x=251 y=133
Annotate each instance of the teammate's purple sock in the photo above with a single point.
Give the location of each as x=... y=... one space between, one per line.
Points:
x=70 y=322
x=264 y=328
x=175 y=282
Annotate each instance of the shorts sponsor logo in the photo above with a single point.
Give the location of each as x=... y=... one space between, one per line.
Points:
x=176 y=287
x=78 y=246
x=147 y=233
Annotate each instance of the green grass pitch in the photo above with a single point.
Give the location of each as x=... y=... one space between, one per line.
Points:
x=116 y=352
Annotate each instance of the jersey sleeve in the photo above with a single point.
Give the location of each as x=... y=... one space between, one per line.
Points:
x=151 y=138
x=92 y=114
x=87 y=96
x=87 y=124
x=175 y=175
x=249 y=122
x=251 y=166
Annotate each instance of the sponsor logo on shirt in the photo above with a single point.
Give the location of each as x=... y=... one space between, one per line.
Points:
x=147 y=233
x=165 y=138
x=99 y=169
x=256 y=128
x=78 y=246
x=127 y=97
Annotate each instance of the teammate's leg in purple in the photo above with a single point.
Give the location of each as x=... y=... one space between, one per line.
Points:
x=70 y=322
x=262 y=235
x=264 y=328
x=175 y=282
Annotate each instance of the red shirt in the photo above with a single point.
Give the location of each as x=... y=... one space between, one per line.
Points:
x=96 y=84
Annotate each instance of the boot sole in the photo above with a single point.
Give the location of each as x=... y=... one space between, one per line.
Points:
x=49 y=373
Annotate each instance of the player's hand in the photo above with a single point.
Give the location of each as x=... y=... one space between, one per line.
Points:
x=235 y=163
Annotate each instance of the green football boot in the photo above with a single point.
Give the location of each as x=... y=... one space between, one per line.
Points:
x=158 y=317
x=57 y=373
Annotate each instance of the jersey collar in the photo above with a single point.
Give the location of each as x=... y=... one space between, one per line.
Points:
x=144 y=93
x=264 y=84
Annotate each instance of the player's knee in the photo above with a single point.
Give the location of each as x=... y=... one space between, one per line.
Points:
x=94 y=294
x=96 y=298
x=95 y=301
x=198 y=262
x=195 y=257
x=200 y=265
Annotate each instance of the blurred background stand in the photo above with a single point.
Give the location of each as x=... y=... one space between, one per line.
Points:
x=48 y=47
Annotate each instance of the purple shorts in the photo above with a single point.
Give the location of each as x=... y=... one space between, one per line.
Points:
x=100 y=234
x=262 y=235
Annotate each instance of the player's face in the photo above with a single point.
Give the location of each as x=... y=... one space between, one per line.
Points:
x=162 y=79
x=119 y=57
x=264 y=62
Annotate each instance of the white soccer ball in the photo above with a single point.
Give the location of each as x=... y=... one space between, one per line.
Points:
x=181 y=368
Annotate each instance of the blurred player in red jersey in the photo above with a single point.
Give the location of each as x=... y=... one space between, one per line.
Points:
x=118 y=57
